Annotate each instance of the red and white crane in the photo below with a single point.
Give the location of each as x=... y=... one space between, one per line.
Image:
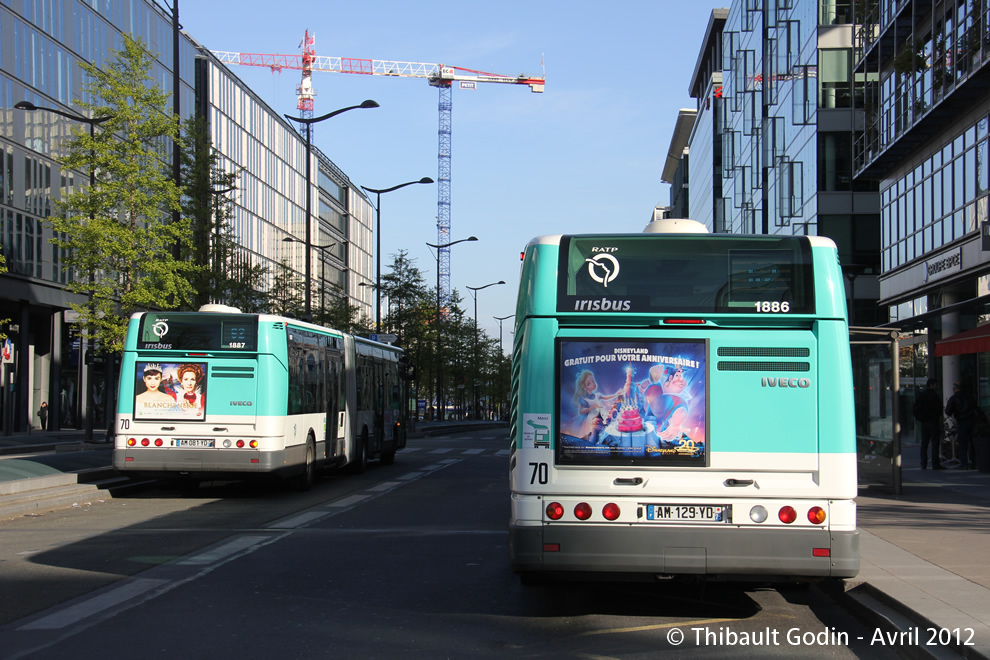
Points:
x=438 y=75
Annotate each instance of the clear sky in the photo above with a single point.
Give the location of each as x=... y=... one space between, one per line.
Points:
x=584 y=156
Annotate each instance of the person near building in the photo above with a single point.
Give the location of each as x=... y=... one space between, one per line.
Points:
x=962 y=408
x=928 y=411
x=43 y=415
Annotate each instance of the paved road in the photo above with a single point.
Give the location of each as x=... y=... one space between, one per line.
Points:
x=405 y=560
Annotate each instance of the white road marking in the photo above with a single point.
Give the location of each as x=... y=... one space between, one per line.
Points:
x=95 y=605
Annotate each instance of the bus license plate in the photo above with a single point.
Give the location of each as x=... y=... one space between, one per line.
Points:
x=195 y=442
x=700 y=513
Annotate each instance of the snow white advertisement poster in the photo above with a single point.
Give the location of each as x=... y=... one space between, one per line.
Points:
x=635 y=402
x=167 y=390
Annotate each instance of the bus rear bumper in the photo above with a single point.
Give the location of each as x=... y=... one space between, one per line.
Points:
x=730 y=553
x=158 y=463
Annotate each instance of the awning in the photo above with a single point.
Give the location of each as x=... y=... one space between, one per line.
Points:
x=976 y=340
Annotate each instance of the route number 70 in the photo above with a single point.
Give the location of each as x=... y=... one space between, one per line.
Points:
x=541 y=473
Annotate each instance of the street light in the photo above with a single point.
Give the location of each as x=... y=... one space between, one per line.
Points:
x=323 y=283
x=501 y=357
x=309 y=121
x=439 y=334
x=388 y=301
x=474 y=292
x=378 y=237
x=92 y=122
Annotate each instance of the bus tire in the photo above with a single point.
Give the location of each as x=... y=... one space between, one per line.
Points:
x=360 y=463
x=304 y=481
x=388 y=457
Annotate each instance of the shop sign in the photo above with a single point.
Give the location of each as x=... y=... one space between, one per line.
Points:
x=942 y=265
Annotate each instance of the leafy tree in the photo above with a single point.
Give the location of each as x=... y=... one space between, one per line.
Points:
x=225 y=272
x=117 y=233
x=285 y=298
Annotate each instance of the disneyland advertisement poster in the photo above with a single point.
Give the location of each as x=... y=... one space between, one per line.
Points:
x=633 y=401
x=170 y=390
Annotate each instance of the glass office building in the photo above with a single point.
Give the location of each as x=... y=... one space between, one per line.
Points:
x=925 y=140
x=41 y=46
x=771 y=148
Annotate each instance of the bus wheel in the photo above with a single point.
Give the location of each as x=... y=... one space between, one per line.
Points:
x=305 y=480
x=388 y=458
x=360 y=463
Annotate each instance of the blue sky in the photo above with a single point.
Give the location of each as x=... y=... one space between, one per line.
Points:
x=584 y=156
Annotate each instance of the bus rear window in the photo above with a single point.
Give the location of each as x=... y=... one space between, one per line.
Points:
x=198 y=332
x=663 y=273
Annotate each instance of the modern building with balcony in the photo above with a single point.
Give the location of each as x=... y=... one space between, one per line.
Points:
x=925 y=141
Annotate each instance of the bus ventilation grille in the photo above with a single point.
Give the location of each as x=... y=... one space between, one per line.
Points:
x=762 y=351
x=764 y=366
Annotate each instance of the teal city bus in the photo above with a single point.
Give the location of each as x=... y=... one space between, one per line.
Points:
x=218 y=394
x=682 y=405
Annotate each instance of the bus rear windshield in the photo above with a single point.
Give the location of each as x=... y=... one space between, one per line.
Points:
x=199 y=332
x=651 y=273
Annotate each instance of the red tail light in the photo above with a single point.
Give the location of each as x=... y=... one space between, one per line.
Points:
x=145 y=442
x=555 y=511
x=611 y=511
x=131 y=442
x=158 y=442
x=816 y=515
x=787 y=515
x=254 y=444
x=582 y=511
x=240 y=444
x=821 y=552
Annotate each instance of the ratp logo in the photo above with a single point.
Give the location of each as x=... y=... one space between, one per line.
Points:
x=603 y=268
x=160 y=328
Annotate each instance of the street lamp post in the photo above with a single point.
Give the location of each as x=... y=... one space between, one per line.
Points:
x=439 y=392
x=501 y=357
x=323 y=283
x=309 y=121
x=92 y=122
x=378 y=245
x=474 y=292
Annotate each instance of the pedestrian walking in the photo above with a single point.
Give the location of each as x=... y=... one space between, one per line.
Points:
x=43 y=415
x=962 y=408
x=928 y=411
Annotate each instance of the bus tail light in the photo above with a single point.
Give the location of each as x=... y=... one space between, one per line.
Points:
x=159 y=442
x=821 y=552
x=555 y=511
x=240 y=444
x=131 y=442
x=758 y=514
x=145 y=442
x=582 y=511
x=254 y=444
x=611 y=511
x=787 y=515
x=816 y=515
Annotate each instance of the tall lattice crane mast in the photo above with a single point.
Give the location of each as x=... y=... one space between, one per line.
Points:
x=438 y=75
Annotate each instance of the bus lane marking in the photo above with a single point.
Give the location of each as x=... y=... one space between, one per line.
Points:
x=473 y=452
x=348 y=501
x=385 y=485
x=104 y=601
x=223 y=551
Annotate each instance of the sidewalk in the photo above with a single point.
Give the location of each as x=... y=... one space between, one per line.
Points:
x=925 y=553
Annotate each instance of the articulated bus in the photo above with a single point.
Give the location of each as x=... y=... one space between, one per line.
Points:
x=682 y=406
x=218 y=394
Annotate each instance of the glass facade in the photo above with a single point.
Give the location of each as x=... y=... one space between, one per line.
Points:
x=941 y=200
x=270 y=205
x=770 y=103
x=42 y=43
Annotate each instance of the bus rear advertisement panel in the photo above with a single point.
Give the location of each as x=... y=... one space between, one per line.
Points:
x=632 y=402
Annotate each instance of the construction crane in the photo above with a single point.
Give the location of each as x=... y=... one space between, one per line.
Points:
x=438 y=75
